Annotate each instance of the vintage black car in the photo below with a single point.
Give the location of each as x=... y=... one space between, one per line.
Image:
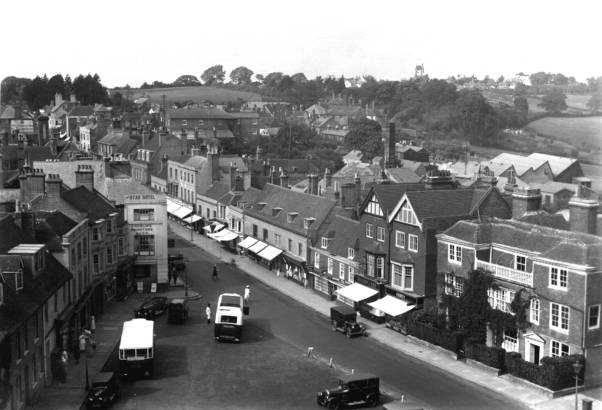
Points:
x=104 y=390
x=343 y=319
x=399 y=324
x=177 y=311
x=151 y=308
x=355 y=389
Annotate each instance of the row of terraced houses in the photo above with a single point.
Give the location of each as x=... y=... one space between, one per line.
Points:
x=382 y=247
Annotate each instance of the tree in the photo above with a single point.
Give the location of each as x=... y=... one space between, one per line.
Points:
x=475 y=117
x=554 y=102
x=11 y=90
x=259 y=78
x=186 y=80
x=436 y=93
x=473 y=306
x=272 y=80
x=89 y=90
x=521 y=105
x=540 y=78
x=365 y=135
x=299 y=78
x=36 y=93
x=595 y=102
x=500 y=79
x=57 y=85
x=214 y=75
x=241 y=75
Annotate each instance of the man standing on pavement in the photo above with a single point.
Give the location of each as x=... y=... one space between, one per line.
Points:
x=247 y=293
x=208 y=313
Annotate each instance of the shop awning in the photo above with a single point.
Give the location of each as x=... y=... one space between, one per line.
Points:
x=257 y=247
x=192 y=219
x=213 y=227
x=269 y=253
x=392 y=306
x=224 y=235
x=182 y=212
x=356 y=292
x=247 y=242
x=171 y=206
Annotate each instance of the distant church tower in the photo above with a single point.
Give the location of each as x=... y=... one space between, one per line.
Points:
x=419 y=71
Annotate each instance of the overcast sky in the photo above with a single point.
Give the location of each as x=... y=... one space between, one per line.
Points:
x=130 y=41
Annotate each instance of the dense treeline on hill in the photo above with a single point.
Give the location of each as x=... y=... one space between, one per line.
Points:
x=40 y=91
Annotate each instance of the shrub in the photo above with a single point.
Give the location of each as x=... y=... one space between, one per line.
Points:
x=491 y=356
x=440 y=337
x=555 y=373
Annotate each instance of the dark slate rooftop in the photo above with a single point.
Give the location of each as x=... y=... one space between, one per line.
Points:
x=93 y=203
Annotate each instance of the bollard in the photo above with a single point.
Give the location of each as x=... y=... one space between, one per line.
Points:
x=309 y=350
x=330 y=362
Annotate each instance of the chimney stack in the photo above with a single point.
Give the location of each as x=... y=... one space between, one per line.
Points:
x=583 y=213
x=525 y=200
x=232 y=173
x=164 y=160
x=53 y=185
x=389 y=140
x=312 y=185
x=84 y=176
x=274 y=176
x=327 y=178
x=43 y=130
x=283 y=179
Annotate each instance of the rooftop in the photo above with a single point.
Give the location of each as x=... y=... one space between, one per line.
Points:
x=26 y=248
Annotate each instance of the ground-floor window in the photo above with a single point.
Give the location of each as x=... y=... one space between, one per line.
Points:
x=321 y=285
x=144 y=245
x=559 y=349
x=510 y=340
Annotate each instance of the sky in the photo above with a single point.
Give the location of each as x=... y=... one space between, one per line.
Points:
x=132 y=41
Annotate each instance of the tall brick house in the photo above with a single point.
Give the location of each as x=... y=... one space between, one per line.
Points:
x=398 y=248
x=559 y=273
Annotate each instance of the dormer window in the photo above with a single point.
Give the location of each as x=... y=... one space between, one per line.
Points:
x=290 y=217
x=406 y=215
x=373 y=207
x=324 y=243
x=350 y=253
x=276 y=211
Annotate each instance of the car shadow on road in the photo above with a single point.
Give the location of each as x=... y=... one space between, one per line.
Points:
x=173 y=364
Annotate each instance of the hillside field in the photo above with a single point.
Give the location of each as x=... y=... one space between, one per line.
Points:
x=216 y=95
x=576 y=131
x=577 y=103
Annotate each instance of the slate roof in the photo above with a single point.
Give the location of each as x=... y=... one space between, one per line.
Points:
x=230 y=198
x=12 y=235
x=338 y=133
x=557 y=164
x=127 y=146
x=226 y=160
x=92 y=203
x=399 y=147
x=555 y=244
x=544 y=218
x=250 y=195
x=389 y=195
x=33 y=152
x=344 y=110
x=521 y=163
x=305 y=205
x=553 y=186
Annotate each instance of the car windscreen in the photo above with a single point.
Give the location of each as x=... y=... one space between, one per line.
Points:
x=233 y=301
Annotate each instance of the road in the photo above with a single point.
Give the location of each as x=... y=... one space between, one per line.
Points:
x=269 y=368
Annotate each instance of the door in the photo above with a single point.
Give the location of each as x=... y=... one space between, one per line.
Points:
x=534 y=353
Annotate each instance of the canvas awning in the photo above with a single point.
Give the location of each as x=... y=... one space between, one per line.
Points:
x=192 y=219
x=356 y=292
x=257 y=247
x=392 y=306
x=224 y=235
x=247 y=242
x=171 y=206
x=182 y=212
x=213 y=227
x=269 y=253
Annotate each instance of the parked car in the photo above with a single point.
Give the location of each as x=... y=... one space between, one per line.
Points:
x=355 y=389
x=177 y=311
x=151 y=308
x=343 y=319
x=104 y=391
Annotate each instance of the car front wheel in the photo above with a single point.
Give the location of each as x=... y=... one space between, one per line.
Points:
x=372 y=401
x=334 y=404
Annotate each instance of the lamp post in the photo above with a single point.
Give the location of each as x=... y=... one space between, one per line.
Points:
x=577 y=366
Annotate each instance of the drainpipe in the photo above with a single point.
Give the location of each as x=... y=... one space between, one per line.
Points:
x=584 y=325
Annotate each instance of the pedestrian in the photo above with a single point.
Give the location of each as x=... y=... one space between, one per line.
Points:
x=175 y=277
x=92 y=324
x=82 y=343
x=76 y=352
x=247 y=293
x=214 y=275
x=208 y=313
x=169 y=275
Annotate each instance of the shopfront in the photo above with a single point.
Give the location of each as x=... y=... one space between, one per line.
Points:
x=294 y=268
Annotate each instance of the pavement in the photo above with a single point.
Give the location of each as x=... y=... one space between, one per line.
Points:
x=410 y=346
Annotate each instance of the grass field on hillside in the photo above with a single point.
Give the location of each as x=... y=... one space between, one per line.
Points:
x=577 y=103
x=576 y=131
x=216 y=95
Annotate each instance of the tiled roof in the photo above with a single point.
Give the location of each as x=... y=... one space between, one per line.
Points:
x=441 y=203
x=553 y=186
x=226 y=160
x=521 y=164
x=305 y=205
x=207 y=112
x=82 y=111
x=402 y=175
x=342 y=110
x=118 y=189
x=250 y=195
x=230 y=198
x=127 y=146
x=195 y=161
x=12 y=235
x=399 y=147
x=389 y=195
x=555 y=244
x=343 y=231
x=92 y=203
x=58 y=221
x=543 y=218
x=33 y=152
x=338 y=133
x=216 y=191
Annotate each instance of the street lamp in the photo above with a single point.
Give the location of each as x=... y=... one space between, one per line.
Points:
x=577 y=366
